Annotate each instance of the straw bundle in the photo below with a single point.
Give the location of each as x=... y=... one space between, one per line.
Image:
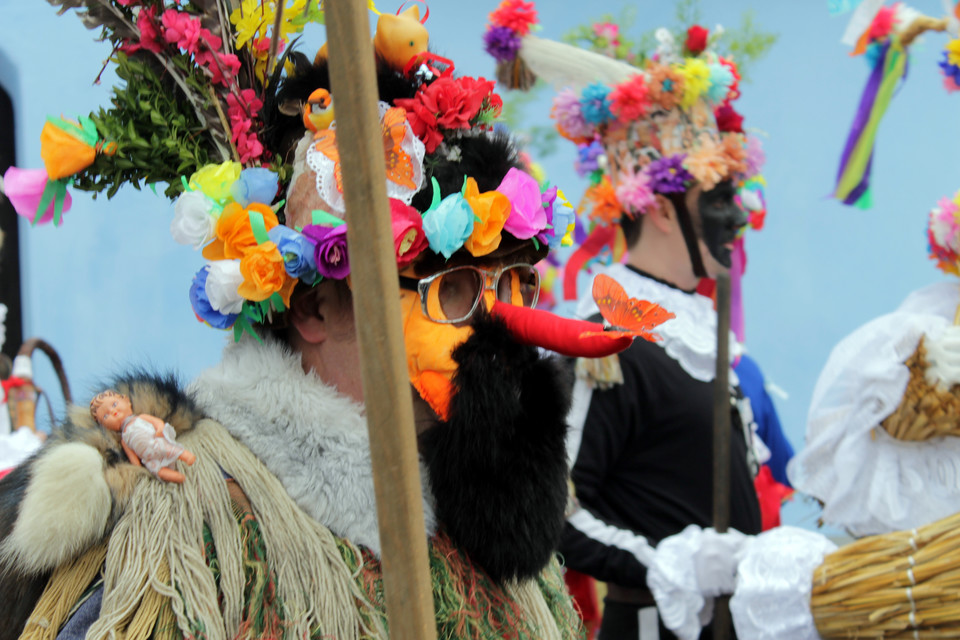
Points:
x=925 y=411
x=899 y=585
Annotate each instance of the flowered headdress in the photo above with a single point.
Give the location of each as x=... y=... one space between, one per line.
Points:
x=217 y=107
x=645 y=123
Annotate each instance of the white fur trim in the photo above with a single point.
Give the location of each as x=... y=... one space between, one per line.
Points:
x=65 y=509
x=311 y=437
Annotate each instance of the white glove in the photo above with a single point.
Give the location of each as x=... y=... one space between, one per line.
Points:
x=688 y=570
x=943 y=358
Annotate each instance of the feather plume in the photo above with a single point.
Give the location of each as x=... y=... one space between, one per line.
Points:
x=564 y=65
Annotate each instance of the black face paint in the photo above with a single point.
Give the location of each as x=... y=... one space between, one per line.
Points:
x=720 y=220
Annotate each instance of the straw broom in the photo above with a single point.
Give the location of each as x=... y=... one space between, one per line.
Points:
x=904 y=584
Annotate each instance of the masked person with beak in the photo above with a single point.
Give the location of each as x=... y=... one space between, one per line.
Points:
x=273 y=531
x=672 y=155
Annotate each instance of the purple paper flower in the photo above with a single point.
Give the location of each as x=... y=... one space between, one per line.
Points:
x=755 y=157
x=548 y=198
x=569 y=115
x=201 y=303
x=502 y=43
x=587 y=156
x=331 y=253
x=667 y=174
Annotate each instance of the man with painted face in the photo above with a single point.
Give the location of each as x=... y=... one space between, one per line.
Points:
x=274 y=530
x=641 y=439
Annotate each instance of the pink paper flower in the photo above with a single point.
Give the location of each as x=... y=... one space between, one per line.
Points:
x=568 y=114
x=24 y=188
x=527 y=216
x=634 y=192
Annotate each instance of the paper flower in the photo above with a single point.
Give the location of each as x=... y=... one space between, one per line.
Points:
x=234 y=231
x=588 y=156
x=516 y=15
x=950 y=65
x=447 y=103
x=707 y=164
x=943 y=235
x=755 y=156
x=595 y=104
x=606 y=208
x=667 y=174
x=733 y=148
x=297 y=251
x=201 y=303
x=490 y=210
x=215 y=180
x=409 y=240
x=564 y=219
x=568 y=114
x=265 y=274
x=665 y=86
x=721 y=79
x=559 y=218
x=882 y=23
x=501 y=43
x=256 y=184
x=194 y=219
x=728 y=120
x=448 y=223
x=24 y=188
x=331 y=256
x=527 y=217
x=628 y=100
x=634 y=192
x=696 y=39
x=223 y=280
x=696 y=80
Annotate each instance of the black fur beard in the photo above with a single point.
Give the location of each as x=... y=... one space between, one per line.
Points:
x=498 y=467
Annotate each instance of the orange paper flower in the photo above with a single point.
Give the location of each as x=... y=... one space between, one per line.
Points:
x=734 y=151
x=665 y=87
x=234 y=235
x=264 y=274
x=491 y=209
x=606 y=208
x=708 y=164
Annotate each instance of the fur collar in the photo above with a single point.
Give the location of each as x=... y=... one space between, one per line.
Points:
x=690 y=338
x=307 y=434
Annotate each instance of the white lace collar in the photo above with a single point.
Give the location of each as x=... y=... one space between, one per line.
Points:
x=690 y=338
x=309 y=435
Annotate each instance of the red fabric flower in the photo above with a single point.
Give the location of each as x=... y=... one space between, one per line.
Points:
x=728 y=119
x=241 y=112
x=515 y=15
x=181 y=29
x=696 y=39
x=150 y=39
x=448 y=103
x=409 y=240
x=629 y=100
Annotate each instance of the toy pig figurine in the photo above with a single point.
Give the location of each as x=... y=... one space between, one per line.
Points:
x=147 y=440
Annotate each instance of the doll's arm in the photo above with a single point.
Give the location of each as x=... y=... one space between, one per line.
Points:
x=157 y=423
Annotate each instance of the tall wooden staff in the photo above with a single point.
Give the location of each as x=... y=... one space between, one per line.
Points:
x=376 y=303
x=721 y=442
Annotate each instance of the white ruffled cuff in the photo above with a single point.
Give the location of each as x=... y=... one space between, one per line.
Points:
x=774 y=579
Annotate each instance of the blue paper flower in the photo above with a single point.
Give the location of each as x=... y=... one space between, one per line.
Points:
x=297 y=251
x=588 y=156
x=201 y=304
x=721 y=79
x=255 y=185
x=448 y=223
x=595 y=104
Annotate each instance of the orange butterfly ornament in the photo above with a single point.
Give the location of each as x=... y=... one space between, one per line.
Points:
x=399 y=164
x=627 y=316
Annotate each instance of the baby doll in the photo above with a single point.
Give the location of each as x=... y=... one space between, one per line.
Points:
x=145 y=439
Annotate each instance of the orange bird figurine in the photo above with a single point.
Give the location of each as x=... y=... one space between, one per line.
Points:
x=318 y=112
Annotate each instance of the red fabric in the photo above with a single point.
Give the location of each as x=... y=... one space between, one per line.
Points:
x=597 y=240
x=583 y=588
x=543 y=329
x=11 y=383
x=4 y=472
x=771 y=494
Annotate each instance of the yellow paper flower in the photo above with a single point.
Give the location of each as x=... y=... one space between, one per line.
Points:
x=264 y=274
x=696 y=80
x=491 y=209
x=215 y=180
x=953 y=52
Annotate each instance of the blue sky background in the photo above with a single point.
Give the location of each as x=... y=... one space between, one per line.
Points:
x=109 y=288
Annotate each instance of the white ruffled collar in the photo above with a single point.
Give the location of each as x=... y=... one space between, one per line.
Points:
x=690 y=338
x=311 y=437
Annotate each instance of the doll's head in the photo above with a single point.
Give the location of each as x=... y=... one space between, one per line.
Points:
x=110 y=408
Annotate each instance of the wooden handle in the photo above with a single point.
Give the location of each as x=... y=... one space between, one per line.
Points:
x=376 y=304
x=721 y=441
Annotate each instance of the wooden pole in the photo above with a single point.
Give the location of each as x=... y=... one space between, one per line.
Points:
x=721 y=442
x=376 y=303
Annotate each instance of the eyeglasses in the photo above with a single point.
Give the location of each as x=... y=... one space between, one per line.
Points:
x=453 y=295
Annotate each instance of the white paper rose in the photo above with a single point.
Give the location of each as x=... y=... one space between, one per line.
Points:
x=223 y=280
x=194 y=219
